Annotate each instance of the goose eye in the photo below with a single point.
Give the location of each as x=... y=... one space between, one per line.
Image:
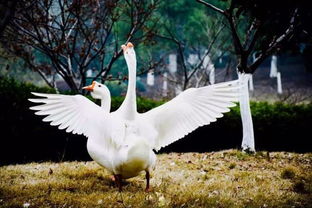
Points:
x=99 y=85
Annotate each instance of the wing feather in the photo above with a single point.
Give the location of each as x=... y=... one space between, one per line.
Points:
x=63 y=120
x=191 y=109
x=46 y=107
x=74 y=113
x=55 y=117
x=46 y=95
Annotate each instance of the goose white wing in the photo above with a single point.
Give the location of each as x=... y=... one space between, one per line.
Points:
x=75 y=113
x=191 y=109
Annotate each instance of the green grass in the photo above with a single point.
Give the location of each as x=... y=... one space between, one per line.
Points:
x=218 y=179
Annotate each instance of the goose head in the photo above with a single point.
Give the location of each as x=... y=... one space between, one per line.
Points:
x=129 y=54
x=98 y=90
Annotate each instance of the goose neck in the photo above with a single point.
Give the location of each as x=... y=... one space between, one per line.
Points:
x=106 y=103
x=129 y=106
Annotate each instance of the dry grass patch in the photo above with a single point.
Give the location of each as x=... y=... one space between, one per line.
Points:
x=220 y=179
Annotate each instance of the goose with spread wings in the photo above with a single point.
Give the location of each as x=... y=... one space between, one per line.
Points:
x=123 y=141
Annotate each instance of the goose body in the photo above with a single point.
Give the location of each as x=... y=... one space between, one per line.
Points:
x=123 y=141
x=129 y=157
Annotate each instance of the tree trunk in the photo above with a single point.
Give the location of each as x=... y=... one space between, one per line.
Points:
x=71 y=83
x=248 y=143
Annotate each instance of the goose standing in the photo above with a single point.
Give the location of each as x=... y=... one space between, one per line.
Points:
x=123 y=141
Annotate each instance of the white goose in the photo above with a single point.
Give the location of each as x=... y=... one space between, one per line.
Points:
x=123 y=141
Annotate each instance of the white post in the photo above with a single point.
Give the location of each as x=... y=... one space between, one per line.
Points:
x=150 y=78
x=273 y=69
x=220 y=59
x=192 y=59
x=198 y=79
x=89 y=73
x=279 y=83
x=212 y=74
x=165 y=85
x=274 y=73
x=208 y=65
x=250 y=82
x=172 y=66
x=248 y=143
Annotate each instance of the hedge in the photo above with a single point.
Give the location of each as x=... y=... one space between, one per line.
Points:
x=24 y=137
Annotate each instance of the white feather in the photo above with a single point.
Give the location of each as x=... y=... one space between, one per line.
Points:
x=66 y=111
x=191 y=109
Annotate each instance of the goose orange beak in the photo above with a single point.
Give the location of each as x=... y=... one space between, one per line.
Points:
x=130 y=45
x=90 y=87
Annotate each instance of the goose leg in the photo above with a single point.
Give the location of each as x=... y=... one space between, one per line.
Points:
x=118 y=181
x=147 y=176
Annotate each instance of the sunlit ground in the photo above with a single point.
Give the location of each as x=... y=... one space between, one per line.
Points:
x=221 y=179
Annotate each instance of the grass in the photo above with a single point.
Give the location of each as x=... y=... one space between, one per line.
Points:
x=218 y=179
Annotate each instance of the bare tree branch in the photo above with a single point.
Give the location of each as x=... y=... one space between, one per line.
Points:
x=74 y=35
x=211 y=6
x=274 y=44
